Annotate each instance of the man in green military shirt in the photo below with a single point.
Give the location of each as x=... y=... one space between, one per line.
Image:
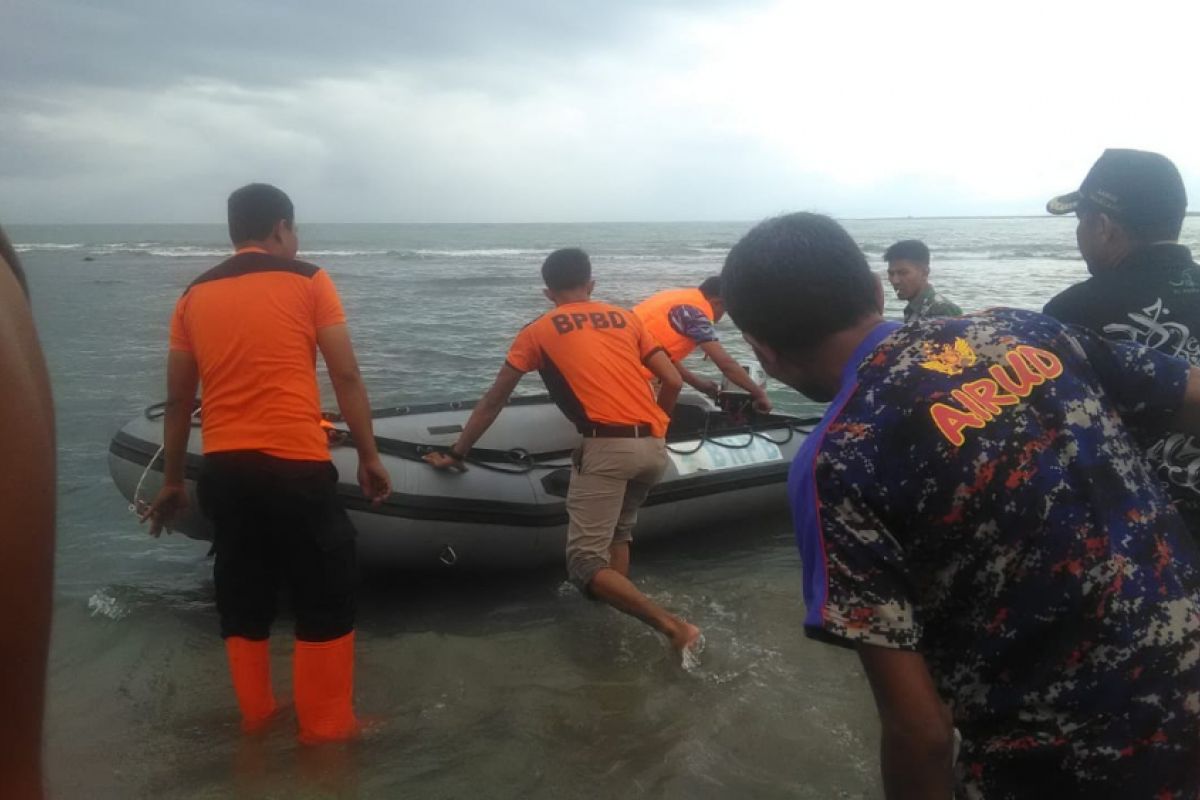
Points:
x=908 y=272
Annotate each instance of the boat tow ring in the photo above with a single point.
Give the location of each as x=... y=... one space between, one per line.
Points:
x=448 y=556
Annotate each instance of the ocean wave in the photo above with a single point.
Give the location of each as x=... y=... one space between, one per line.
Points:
x=991 y=252
x=1017 y=254
x=169 y=250
x=706 y=251
x=32 y=247
x=484 y=252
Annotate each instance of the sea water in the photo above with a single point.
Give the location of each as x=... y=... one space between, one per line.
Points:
x=498 y=687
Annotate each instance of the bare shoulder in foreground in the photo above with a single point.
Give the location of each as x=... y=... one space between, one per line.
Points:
x=26 y=532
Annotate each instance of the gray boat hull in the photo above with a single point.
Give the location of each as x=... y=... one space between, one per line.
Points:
x=511 y=516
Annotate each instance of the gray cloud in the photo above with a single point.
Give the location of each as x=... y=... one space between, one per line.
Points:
x=148 y=43
x=141 y=110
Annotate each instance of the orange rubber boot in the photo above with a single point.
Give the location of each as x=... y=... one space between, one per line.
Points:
x=323 y=681
x=250 y=667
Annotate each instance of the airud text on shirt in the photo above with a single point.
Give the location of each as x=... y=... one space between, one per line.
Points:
x=982 y=400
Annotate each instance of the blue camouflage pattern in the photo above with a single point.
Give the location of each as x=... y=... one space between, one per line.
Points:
x=692 y=323
x=973 y=494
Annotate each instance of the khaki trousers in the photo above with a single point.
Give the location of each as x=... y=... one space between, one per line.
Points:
x=609 y=482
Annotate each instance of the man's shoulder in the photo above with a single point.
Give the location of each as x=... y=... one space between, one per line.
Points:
x=241 y=264
x=657 y=296
x=1111 y=296
x=943 y=306
x=1073 y=303
x=936 y=351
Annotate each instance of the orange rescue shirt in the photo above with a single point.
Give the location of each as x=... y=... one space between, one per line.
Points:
x=251 y=323
x=590 y=356
x=655 y=314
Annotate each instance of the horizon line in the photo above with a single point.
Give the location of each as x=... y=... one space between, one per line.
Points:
x=581 y=222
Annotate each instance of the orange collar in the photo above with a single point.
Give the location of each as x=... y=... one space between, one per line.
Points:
x=251 y=249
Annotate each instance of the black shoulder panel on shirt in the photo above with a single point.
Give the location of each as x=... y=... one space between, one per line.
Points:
x=250 y=263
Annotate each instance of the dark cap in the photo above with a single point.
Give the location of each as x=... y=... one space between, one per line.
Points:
x=1134 y=185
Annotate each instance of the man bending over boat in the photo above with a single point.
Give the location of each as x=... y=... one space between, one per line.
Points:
x=590 y=355
x=247 y=331
x=683 y=319
x=977 y=522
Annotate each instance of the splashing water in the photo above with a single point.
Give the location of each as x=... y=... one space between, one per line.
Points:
x=104 y=604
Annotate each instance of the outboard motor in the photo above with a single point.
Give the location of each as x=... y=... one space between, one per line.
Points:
x=735 y=401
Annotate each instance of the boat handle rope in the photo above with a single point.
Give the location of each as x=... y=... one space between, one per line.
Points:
x=521 y=460
x=792 y=427
x=160 y=408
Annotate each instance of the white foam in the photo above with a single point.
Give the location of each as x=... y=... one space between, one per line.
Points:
x=104 y=604
x=34 y=246
x=489 y=252
x=690 y=655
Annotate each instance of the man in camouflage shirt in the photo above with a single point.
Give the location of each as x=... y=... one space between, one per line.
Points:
x=908 y=272
x=976 y=521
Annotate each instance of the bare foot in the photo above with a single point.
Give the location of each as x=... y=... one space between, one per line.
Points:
x=689 y=641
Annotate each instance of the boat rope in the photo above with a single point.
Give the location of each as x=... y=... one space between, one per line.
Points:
x=515 y=461
x=158 y=409
x=792 y=426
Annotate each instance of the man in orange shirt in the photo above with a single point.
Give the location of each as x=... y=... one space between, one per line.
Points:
x=247 y=331
x=590 y=355
x=681 y=320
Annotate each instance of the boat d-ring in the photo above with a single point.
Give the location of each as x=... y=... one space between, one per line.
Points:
x=448 y=556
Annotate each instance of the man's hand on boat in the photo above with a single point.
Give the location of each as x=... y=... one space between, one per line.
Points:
x=444 y=461
x=168 y=505
x=374 y=480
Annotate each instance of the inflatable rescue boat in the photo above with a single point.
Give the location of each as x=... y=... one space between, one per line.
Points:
x=507 y=510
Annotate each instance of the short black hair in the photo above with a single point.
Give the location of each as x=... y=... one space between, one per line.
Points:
x=908 y=250
x=255 y=209
x=797 y=279
x=568 y=268
x=711 y=287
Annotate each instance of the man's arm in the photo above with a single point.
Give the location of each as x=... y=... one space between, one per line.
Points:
x=731 y=369
x=916 y=732
x=668 y=377
x=482 y=417
x=183 y=377
x=1070 y=306
x=698 y=382
x=355 y=405
x=1148 y=387
x=27 y=492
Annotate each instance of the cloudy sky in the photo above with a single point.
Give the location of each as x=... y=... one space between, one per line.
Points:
x=563 y=110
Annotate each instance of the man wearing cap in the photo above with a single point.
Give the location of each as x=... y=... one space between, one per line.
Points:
x=1145 y=286
x=682 y=320
x=590 y=356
